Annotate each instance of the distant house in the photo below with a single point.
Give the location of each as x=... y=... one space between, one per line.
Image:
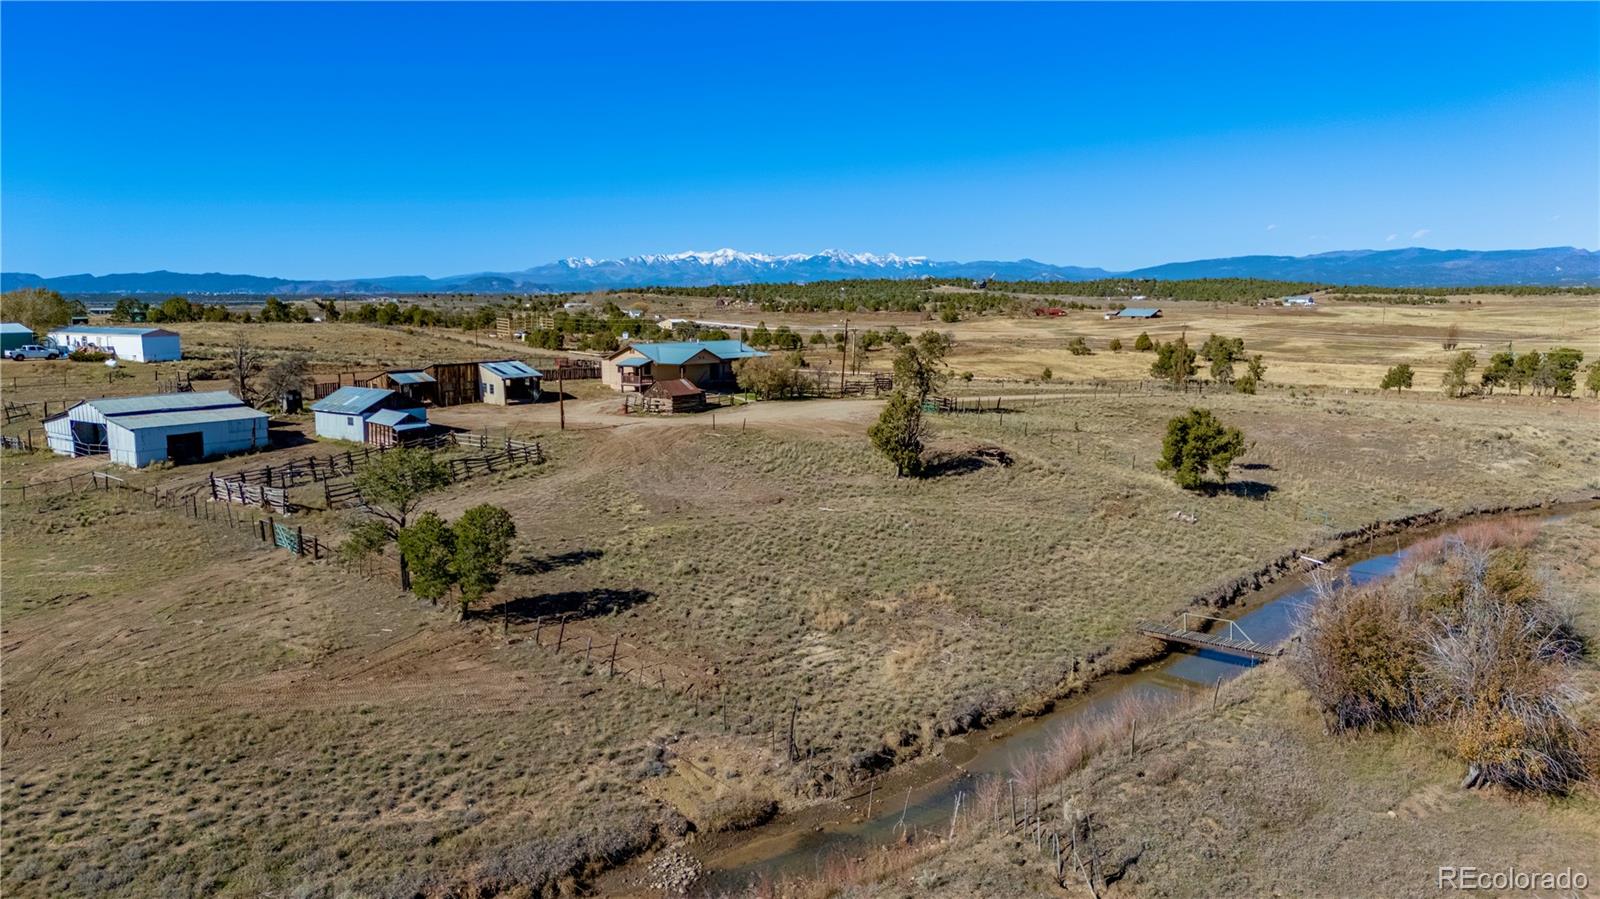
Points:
x=127 y=344
x=1132 y=312
x=345 y=413
x=1303 y=299
x=677 y=395
x=13 y=335
x=508 y=381
x=138 y=430
x=703 y=363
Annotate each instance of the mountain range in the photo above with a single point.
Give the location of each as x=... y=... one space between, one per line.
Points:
x=1409 y=267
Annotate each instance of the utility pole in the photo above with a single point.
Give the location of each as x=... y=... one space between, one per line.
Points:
x=844 y=350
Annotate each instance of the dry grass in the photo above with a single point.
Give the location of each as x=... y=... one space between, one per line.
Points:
x=1254 y=799
x=185 y=712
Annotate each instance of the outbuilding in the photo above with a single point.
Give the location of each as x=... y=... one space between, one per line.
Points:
x=13 y=335
x=127 y=344
x=344 y=413
x=392 y=427
x=678 y=395
x=1132 y=312
x=1301 y=299
x=138 y=430
x=508 y=381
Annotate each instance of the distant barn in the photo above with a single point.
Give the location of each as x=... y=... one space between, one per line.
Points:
x=1132 y=312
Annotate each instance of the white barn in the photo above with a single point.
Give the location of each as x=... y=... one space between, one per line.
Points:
x=137 y=344
x=138 y=430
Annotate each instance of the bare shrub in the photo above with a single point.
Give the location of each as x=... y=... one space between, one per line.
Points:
x=737 y=811
x=1506 y=706
x=1360 y=658
x=1469 y=639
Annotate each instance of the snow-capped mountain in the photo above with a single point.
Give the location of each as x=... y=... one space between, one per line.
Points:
x=1409 y=267
x=698 y=268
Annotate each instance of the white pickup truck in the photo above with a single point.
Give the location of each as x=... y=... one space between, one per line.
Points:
x=33 y=351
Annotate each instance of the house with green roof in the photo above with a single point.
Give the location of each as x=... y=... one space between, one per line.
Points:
x=704 y=363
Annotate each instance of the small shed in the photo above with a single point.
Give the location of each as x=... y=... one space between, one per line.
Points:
x=414 y=384
x=1133 y=312
x=138 y=430
x=678 y=395
x=393 y=427
x=13 y=335
x=343 y=414
x=1301 y=299
x=508 y=381
x=127 y=344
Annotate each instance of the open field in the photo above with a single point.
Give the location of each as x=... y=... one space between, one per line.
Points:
x=188 y=712
x=1339 y=343
x=1252 y=798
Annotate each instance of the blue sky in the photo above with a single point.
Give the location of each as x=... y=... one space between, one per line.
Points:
x=306 y=140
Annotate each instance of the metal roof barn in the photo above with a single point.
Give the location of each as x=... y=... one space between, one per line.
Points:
x=136 y=431
x=1139 y=313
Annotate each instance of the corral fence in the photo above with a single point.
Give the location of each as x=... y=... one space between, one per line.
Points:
x=292 y=538
x=828 y=385
x=266 y=486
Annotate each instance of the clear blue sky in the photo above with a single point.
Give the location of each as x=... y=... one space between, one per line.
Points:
x=361 y=140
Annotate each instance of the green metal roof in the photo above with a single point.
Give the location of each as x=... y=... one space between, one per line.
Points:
x=678 y=352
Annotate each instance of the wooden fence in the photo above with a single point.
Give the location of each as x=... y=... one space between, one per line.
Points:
x=226 y=491
x=498 y=455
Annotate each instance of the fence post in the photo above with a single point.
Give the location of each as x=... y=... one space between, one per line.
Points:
x=300 y=540
x=561 y=635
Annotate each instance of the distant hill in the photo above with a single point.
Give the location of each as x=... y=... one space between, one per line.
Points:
x=1409 y=267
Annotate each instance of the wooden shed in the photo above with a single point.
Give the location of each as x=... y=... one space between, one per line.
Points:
x=678 y=395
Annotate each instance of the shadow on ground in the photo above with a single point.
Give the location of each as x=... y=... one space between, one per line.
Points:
x=546 y=564
x=960 y=462
x=1255 y=490
x=570 y=603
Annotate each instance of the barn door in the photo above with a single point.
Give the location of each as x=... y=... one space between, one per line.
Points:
x=189 y=447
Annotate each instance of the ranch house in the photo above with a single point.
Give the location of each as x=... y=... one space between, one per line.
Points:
x=706 y=363
x=127 y=344
x=138 y=430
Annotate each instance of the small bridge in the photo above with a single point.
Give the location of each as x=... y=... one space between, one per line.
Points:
x=1233 y=640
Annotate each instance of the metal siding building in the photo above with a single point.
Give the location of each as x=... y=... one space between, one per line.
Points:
x=343 y=414
x=13 y=335
x=138 y=430
x=128 y=344
x=508 y=381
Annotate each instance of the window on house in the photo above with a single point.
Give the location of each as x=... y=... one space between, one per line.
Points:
x=349 y=419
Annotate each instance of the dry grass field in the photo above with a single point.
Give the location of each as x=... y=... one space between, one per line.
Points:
x=1337 y=344
x=1252 y=798
x=186 y=712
